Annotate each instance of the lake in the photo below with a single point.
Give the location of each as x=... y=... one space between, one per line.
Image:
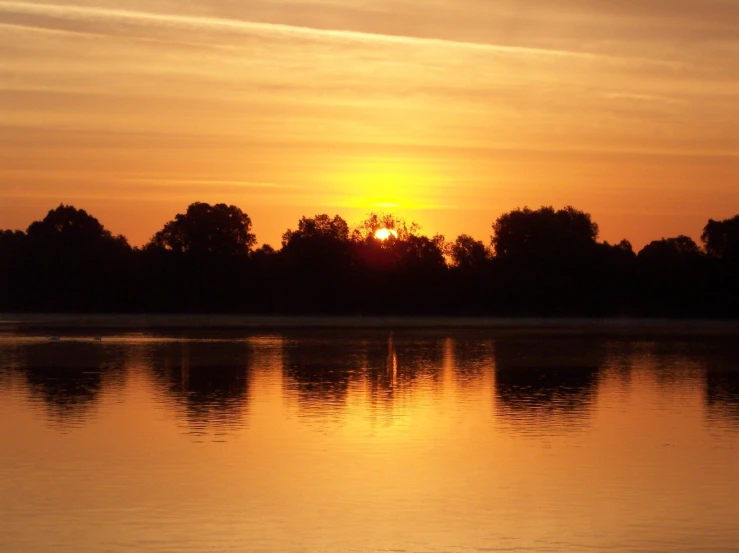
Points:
x=362 y=439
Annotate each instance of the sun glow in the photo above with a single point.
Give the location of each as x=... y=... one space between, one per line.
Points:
x=385 y=233
x=384 y=182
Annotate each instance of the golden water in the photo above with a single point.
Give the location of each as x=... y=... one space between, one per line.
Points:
x=299 y=441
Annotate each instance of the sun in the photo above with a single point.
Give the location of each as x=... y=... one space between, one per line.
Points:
x=385 y=233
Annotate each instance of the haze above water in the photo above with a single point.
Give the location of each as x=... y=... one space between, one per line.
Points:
x=367 y=440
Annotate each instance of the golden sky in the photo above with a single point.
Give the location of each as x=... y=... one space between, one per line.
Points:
x=448 y=112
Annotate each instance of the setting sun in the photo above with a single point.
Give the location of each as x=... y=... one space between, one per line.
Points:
x=384 y=233
x=335 y=259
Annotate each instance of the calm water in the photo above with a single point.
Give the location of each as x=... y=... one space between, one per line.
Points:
x=368 y=441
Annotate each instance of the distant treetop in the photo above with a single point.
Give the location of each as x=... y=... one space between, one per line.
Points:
x=67 y=226
x=721 y=239
x=543 y=232
x=320 y=226
x=205 y=229
x=368 y=228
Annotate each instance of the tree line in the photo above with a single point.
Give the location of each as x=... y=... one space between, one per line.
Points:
x=542 y=262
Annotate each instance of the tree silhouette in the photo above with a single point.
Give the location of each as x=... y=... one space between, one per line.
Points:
x=671 y=250
x=70 y=251
x=542 y=262
x=314 y=265
x=12 y=245
x=321 y=227
x=68 y=228
x=546 y=261
x=721 y=239
x=200 y=261
x=376 y=221
x=473 y=286
x=543 y=233
x=204 y=229
x=11 y=241
x=673 y=277
x=419 y=253
x=468 y=254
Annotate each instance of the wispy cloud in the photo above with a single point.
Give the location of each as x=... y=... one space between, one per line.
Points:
x=185 y=22
x=217 y=182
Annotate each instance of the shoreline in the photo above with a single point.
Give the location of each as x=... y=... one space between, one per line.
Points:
x=13 y=321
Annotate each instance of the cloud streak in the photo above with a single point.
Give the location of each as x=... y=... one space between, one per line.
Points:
x=73 y=13
x=217 y=182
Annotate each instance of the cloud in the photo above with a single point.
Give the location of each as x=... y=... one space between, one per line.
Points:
x=236 y=184
x=43 y=13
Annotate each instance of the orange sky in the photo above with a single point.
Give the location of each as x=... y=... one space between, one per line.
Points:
x=448 y=112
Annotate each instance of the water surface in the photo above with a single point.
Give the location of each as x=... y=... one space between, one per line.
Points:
x=368 y=440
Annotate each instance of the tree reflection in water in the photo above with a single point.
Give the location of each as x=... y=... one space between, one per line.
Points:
x=66 y=379
x=322 y=370
x=541 y=384
x=546 y=384
x=205 y=382
x=722 y=385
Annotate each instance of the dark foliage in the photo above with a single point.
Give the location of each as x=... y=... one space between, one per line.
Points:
x=66 y=262
x=542 y=262
x=721 y=239
x=222 y=230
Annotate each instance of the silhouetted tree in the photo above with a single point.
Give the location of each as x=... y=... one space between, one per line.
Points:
x=315 y=265
x=543 y=233
x=471 y=276
x=200 y=261
x=542 y=262
x=614 y=279
x=70 y=261
x=11 y=242
x=721 y=239
x=376 y=221
x=265 y=250
x=469 y=254
x=67 y=228
x=418 y=253
x=546 y=261
x=674 y=278
x=318 y=227
x=264 y=257
x=404 y=272
x=681 y=249
x=220 y=229
x=625 y=248
x=11 y=248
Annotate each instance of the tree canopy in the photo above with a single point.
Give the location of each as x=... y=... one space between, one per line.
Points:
x=671 y=249
x=67 y=227
x=368 y=228
x=543 y=233
x=543 y=262
x=468 y=254
x=318 y=227
x=721 y=239
x=207 y=229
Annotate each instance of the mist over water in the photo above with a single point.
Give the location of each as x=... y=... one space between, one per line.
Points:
x=368 y=440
